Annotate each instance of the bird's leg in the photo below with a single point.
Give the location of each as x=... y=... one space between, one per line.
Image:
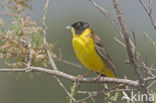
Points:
x=82 y=76
x=98 y=77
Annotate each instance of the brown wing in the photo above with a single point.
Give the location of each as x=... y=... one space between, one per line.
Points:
x=102 y=51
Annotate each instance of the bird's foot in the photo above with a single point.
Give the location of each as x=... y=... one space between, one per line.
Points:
x=78 y=78
x=98 y=78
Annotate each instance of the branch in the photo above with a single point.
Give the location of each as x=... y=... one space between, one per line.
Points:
x=112 y=20
x=149 y=12
x=131 y=53
x=150 y=78
x=63 y=75
x=110 y=90
x=74 y=78
x=124 y=30
x=108 y=16
x=52 y=63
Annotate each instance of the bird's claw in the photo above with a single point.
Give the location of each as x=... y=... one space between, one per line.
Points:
x=98 y=78
x=78 y=78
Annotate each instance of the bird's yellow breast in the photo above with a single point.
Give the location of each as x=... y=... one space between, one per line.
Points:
x=84 y=47
x=87 y=55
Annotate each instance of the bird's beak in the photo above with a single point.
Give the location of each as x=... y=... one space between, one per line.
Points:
x=69 y=27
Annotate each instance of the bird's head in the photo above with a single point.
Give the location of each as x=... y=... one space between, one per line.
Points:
x=78 y=28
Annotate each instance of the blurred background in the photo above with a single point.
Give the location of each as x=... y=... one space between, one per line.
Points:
x=41 y=88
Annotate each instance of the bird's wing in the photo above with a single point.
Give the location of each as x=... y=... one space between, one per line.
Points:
x=102 y=51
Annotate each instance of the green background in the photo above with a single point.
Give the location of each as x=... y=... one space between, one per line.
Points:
x=42 y=88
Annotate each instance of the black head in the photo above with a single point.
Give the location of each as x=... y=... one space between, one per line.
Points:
x=80 y=27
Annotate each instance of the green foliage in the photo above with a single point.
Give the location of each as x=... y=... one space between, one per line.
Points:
x=110 y=96
x=37 y=39
x=152 y=41
x=92 y=99
x=72 y=89
x=154 y=94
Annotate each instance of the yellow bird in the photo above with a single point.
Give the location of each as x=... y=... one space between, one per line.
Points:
x=90 y=50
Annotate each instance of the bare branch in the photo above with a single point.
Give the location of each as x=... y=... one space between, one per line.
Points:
x=117 y=40
x=153 y=82
x=110 y=90
x=150 y=68
x=124 y=30
x=60 y=58
x=74 y=78
x=149 y=12
x=7 y=13
x=52 y=63
x=150 y=5
x=29 y=60
x=108 y=16
x=65 y=89
x=111 y=19
x=131 y=54
x=70 y=63
x=150 y=78
x=3 y=5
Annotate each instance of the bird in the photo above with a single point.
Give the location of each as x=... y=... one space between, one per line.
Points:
x=90 y=50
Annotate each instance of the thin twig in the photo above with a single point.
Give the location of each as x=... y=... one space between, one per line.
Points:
x=65 y=89
x=7 y=13
x=117 y=40
x=145 y=49
x=52 y=63
x=149 y=12
x=29 y=61
x=149 y=69
x=150 y=78
x=153 y=82
x=60 y=58
x=150 y=5
x=144 y=66
x=108 y=16
x=145 y=52
x=3 y=5
x=112 y=89
x=112 y=20
x=135 y=51
x=70 y=63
